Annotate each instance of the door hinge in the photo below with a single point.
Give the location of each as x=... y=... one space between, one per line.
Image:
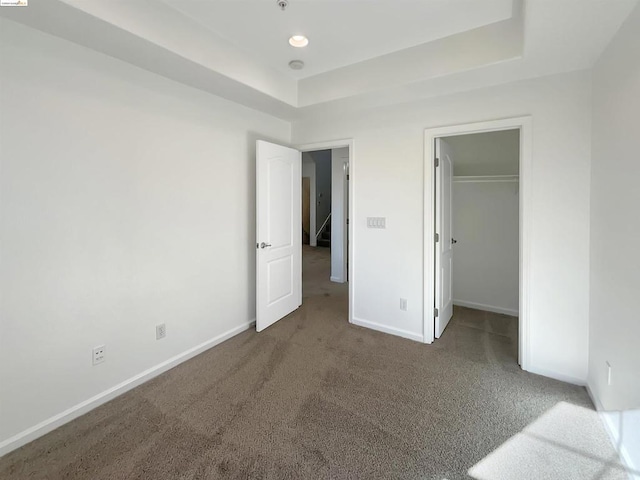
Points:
x=435 y=312
x=437 y=237
x=437 y=162
x=347 y=177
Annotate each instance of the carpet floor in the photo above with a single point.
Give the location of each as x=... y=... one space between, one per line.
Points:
x=315 y=397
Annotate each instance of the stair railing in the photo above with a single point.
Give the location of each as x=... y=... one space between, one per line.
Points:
x=324 y=224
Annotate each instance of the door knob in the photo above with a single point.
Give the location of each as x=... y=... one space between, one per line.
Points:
x=265 y=245
x=453 y=241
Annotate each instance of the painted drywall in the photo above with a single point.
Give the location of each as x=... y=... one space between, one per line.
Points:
x=615 y=236
x=387 y=181
x=489 y=153
x=486 y=257
x=127 y=200
x=624 y=429
x=309 y=170
x=322 y=159
x=339 y=196
x=494 y=43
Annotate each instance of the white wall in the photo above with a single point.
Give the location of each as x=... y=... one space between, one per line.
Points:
x=488 y=153
x=309 y=170
x=615 y=235
x=339 y=196
x=486 y=257
x=127 y=200
x=387 y=181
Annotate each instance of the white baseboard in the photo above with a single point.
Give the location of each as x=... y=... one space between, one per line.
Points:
x=614 y=435
x=60 y=419
x=486 y=308
x=386 y=329
x=582 y=382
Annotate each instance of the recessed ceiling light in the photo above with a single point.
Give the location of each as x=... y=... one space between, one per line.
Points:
x=299 y=41
x=296 y=64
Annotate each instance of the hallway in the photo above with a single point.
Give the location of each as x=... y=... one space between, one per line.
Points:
x=316 y=270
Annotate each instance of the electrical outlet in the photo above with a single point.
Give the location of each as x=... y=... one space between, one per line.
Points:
x=161 y=331
x=98 y=354
x=403 y=304
x=608 y=373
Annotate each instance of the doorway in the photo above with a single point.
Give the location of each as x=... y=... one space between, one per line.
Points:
x=338 y=224
x=477 y=185
x=327 y=169
x=444 y=190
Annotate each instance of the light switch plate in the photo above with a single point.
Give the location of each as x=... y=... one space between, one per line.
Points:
x=376 y=222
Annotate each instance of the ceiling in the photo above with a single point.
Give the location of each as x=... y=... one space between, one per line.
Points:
x=341 y=32
x=362 y=53
x=486 y=154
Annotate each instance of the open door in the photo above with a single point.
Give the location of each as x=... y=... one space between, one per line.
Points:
x=444 y=237
x=278 y=233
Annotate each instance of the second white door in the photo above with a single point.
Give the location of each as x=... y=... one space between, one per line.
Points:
x=444 y=251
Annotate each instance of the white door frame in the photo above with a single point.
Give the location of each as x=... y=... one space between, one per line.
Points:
x=339 y=214
x=311 y=147
x=524 y=124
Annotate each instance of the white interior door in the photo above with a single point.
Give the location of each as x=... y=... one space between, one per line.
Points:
x=278 y=231
x=444 y=243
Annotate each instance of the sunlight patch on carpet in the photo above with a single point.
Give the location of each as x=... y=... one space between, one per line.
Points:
x=564 y=435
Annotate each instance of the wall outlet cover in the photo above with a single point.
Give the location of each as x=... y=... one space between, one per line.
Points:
x=98 y=354
x=403 y=304
x=161 y=331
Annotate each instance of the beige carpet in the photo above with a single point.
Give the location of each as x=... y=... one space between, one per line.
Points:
x=314 y=397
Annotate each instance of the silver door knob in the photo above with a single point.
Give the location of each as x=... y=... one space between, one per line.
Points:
x=265 y=245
